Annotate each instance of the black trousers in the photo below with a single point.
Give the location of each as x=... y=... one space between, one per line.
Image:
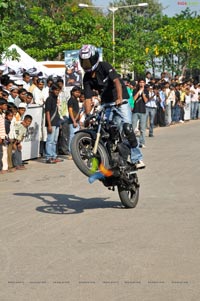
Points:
x=63 y=140
x=160 y=116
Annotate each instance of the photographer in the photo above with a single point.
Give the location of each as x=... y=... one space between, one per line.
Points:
x=151 y=106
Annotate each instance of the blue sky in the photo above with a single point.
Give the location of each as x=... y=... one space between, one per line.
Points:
x=172 y=7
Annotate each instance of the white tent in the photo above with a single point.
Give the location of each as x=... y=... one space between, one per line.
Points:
x=25 y=62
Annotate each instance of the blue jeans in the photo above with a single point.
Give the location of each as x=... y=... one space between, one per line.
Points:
x=141 y=117
x=150 y=112
x=123 y=115
x=194 y=108
x=126 y=115
x=176 y=113
x=199 y=110
x=72 y=131
x=51 y=143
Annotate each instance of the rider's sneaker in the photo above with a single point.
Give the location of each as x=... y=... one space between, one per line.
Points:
x=137 y=132
x=129 y=159
x=140 y=165
x=142 y=145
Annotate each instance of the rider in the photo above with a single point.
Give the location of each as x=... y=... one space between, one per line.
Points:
x=102 y=77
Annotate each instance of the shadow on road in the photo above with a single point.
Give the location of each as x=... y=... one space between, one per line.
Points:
x=68 y=204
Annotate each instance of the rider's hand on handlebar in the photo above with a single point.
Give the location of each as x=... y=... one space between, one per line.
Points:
x=75 y=124
x=118 y=102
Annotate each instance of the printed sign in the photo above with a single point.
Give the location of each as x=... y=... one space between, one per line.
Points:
x=74 y=72
x=31 y=143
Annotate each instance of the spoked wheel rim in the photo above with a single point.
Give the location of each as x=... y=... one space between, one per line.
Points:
x=82 y=152
x=86 y=151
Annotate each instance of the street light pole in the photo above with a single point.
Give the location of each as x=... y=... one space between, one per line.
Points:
x=113 y=9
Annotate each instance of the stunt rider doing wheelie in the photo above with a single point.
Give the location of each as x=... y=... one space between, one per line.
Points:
x=102 y=77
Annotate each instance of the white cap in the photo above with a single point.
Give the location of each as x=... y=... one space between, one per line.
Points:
x=22 y=105
x=14 y=88
x=19 y=82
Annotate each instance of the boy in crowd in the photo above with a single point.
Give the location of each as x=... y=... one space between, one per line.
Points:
x=13 y=94
x=20 y=133
x=8 y=121
x=74 y=114
x=21 y=111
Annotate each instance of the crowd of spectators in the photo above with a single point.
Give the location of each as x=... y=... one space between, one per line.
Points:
x=154 y=102
x=16 y=96
x=165 y=101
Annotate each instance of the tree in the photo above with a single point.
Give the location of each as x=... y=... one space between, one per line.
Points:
x=44 y=30
x=130 y=13
x=132 y=35
x=7 y=9
x=179 y=43
x=144 y=38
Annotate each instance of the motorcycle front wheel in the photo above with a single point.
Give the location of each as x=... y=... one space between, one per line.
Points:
x=82 y=152
x=129 y=197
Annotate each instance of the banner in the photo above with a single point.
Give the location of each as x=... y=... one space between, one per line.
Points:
x=31 y=143
x=74 y=72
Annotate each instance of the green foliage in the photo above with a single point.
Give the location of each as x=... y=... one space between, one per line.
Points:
x=130 y=13
x=143 y=36
x=180 y=38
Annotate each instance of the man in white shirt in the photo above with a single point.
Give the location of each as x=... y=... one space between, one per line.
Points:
x=39 y=93
x=26 y=81
x=170 y=102
x=194 y=100
x=151 y=106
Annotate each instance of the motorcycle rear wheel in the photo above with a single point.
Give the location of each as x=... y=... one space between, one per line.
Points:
x=82 y=153
x=129 y=197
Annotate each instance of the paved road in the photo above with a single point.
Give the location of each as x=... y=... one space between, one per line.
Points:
x=64 y=239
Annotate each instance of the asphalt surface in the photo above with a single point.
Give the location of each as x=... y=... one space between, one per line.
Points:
x=62 y=238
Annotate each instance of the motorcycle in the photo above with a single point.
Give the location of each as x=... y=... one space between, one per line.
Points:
x=101 y=141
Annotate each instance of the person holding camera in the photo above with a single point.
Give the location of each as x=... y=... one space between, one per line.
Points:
x=151 y=107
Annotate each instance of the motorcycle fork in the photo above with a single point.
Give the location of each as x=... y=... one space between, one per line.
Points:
x=98 y=135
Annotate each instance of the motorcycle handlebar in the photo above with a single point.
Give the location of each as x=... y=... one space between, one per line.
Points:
x=113 y=104
x=102 y=108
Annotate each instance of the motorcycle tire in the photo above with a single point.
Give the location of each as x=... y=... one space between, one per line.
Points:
x=129 y=198
x=81 y=148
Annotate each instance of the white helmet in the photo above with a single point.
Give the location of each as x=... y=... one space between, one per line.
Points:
x=89 y=58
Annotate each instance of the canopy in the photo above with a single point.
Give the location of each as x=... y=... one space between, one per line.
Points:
x=15 y=68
